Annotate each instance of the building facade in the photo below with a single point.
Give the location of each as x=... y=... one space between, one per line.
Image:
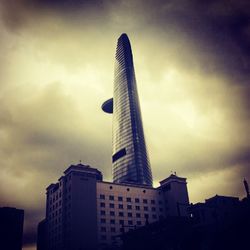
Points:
x=85 y=212
x=11 y=228
x=130 y=159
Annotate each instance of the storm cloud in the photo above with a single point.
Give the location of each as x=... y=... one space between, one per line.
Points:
x=192 y=62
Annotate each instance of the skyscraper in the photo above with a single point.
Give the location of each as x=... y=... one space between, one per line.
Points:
x=130 y=159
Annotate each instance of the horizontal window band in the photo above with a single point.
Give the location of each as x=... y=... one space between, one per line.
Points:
x=118 y=155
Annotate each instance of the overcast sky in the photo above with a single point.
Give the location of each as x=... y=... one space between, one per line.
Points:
x=192 y=64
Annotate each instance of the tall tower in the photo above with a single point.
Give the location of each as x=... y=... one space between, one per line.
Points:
x=130 y=159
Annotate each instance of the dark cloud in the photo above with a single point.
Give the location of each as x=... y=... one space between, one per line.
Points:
x=193 y=61
x=219 y=30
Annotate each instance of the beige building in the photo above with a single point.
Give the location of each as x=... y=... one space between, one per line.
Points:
x=84 y=212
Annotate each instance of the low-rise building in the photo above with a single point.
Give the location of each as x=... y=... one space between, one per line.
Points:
x=85 y=212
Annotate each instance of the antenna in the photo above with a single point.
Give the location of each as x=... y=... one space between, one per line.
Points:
x=246 y=187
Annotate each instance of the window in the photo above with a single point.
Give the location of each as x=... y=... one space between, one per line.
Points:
x=121 y=222
x=152 y=201
x=138 y=223
x=137 y=200
x=120 y=198
x=137 y=208
x=103 y=212
x=153 y=209
x=103 y=229
x=122 y=230
x=146 y=216
x=111 y=205
x=112 y=229
x=121 y=214
x=129 y=214
x=154 y=216
x=130 y=222
x=103 y=220
x=128 y=199
x=118 y=154
x=138 y=215
x=112 y=213
x=102 y=204
x=160 y=209
x=167 y=187
x=120 y=206
x=102 y=196
x=145 y=201
x=145 y=208
x=111 y=197
x=129 y=207
x=160 y=202
x=112 y=221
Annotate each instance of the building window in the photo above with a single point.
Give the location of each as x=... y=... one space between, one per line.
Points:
x=138 y=223
x=146 y=216
x=120 y=206
x=112 y=221
x=129 y=214
x=102 y=204
x=112 y=213
x=128 y=199
x=160 y=209
x=122 y=230
x=120 y=198
x=121 y=222
x=130 y=222
x=137 y=200
x=160 y=202
x=138 y=215
x=167 y=187
x=145 y=201
x=129 y=207
x=103 y=229
x=103 y=220
x=152 y=201
x=103 y=212
x=102 y=196
x=154 y=216
x=121 y=214
x=145 y=208
x=112 y=229
x=111 y=197
x=137 y=208
x=111 y=205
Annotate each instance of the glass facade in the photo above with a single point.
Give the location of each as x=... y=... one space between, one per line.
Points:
x=130 y=160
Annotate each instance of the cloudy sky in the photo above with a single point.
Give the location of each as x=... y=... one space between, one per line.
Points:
x=192 y=63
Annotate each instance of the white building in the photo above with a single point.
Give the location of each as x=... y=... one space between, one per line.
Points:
x=84 y=212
